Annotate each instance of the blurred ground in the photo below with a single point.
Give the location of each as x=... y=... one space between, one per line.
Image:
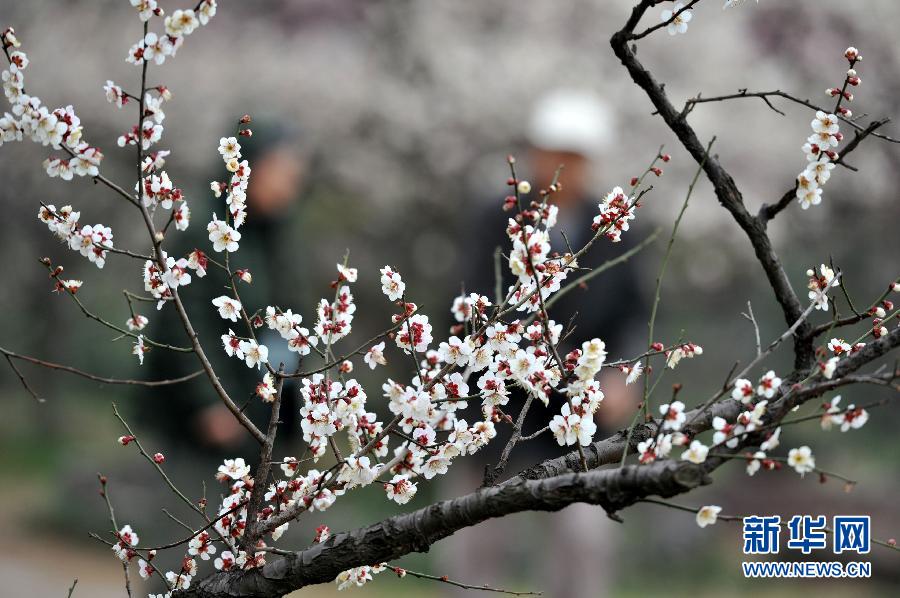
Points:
x=406 y=111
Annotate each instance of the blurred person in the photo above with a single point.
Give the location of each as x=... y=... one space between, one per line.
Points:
x=195 y=415
x=571 y=129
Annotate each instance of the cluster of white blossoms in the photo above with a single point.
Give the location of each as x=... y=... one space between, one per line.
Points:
x=60 y=128
x=92 y=241
x=819 y=284
x=616 y=210
x=181 y=23
x=151 y=128
x=819 y=148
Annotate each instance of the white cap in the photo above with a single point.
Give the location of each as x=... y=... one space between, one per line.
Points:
x=572 y=121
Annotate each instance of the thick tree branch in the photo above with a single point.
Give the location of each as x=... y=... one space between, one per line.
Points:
x=417 y=531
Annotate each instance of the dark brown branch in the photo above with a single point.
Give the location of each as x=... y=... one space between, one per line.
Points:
x=94 y=377
x=743 y=93
x=726 y=189
x=417 y=531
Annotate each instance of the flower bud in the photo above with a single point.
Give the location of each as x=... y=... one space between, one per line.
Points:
x=852 y=54
x=159 y=458
x=524 y=187
x=245 y=120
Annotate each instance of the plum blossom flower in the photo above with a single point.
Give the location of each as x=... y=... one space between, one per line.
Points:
x=227 y=560
x=829 y=366
x=254 y=354
x=139 y=349
x=115 y=95
x=400 y=489
x=768 y=385
x=570 y=428
x=345 y=273
x=455 y=351
x=232 y=345
x=802 y=460
x=391 y=284
x=145 y=569
x=819 y=285
x=847 y=418
x=707 y=515
x=632 y=372
x=266 y=389
x=696 y=453
x=229 y=148
x=234 y=468
x=229 y=309
x=687 y=350
x=754 y=462
x=375 y=356
x=415 y=334
x=679 y=23
x=838 y=346
x=223 y=236
x=673 y=415
x=743 y=391
x=201 y=545
x=772 y=442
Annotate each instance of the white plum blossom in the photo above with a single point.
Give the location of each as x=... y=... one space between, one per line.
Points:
x=137 y=323
x=768 y=385
x=345 y=273
x=229 y=309
x=802 y=460
x=673 y=415
x=229 y=148
x=696 y=453
x=400 y=489
x=266 y=389
x=707 y=515
x=391 y=284
x=570 y=428
x=850 y=417
x=415 y=333
x=254 y=354
x=743 y=391
x=633 y=372
x=679 y=23
x=139 y=349
x=234 y=468
x=772 y=442
x=819 y=285
x=755 y=462
x=685 y=351
x=375 y=356
x=223 y=236
x=455 y=351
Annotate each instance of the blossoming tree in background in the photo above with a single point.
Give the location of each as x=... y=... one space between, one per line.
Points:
x=457 y=395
